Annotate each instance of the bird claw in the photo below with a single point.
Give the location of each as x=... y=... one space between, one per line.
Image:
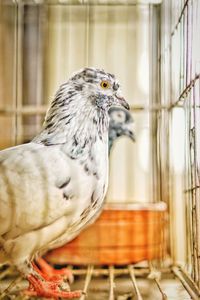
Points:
x=49 y=289
x=49 y=273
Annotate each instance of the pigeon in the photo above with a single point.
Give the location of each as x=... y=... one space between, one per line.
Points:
x=54 y=185
x=120 y=124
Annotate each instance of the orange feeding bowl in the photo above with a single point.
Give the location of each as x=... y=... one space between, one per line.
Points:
x=124 y=233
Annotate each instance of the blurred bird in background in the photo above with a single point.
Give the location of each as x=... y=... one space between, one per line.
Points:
x=52 y=187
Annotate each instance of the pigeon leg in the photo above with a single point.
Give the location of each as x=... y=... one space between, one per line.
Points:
x=53 y=282
x=40 y=286
x=48 y=272
x=45 y=275
x=48 y=289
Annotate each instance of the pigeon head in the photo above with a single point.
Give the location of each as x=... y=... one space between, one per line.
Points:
x=101 y=88
x=121 y=124
x=78 y=114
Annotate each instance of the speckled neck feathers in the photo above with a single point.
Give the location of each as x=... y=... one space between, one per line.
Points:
x=73 y=119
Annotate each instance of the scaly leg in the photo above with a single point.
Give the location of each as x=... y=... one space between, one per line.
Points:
x=41 y=286
x=48 y=289
x=48 y=272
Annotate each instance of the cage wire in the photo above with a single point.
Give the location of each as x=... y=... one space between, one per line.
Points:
x=179 y=57
x=172 y=108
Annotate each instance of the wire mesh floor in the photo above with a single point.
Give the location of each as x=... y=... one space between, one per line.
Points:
x=124 y=283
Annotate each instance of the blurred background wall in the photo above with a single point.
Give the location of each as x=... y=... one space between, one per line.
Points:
x=42 y=45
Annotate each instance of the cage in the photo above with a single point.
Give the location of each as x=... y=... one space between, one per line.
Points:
x=153 y=47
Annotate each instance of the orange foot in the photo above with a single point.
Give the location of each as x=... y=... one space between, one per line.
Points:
x=49 y=273
x=49 y=289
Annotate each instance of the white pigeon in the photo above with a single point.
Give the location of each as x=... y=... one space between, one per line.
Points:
x=54 y=185
x=120 y=124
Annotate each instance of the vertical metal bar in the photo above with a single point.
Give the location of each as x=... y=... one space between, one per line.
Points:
x=194 y=211
x=42 y=13
x=112 y=284
x=188 y=288
x=155 y=275
x=195 y=193
x=197 y=205
x=87 y=34
x=154 y=35
x=188 y=279
x=18 y=66
x=11 y=286
x=87 y=281
x=193 y=169
x=191 y=202
x=135 y=287
x=15 y=69
x=164 y=296
x=188 y=107
x=198 y=231
x=187 y=184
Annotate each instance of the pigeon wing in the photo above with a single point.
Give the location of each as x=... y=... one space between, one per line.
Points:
x=33 y=183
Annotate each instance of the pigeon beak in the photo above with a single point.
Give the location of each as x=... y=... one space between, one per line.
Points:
x=131 y=135
x=121 y=101
x=128 y=131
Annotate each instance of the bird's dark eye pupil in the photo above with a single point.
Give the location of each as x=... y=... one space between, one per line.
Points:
x=104 y=84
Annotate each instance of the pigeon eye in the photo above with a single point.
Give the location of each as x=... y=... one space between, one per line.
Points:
x=105 y=84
